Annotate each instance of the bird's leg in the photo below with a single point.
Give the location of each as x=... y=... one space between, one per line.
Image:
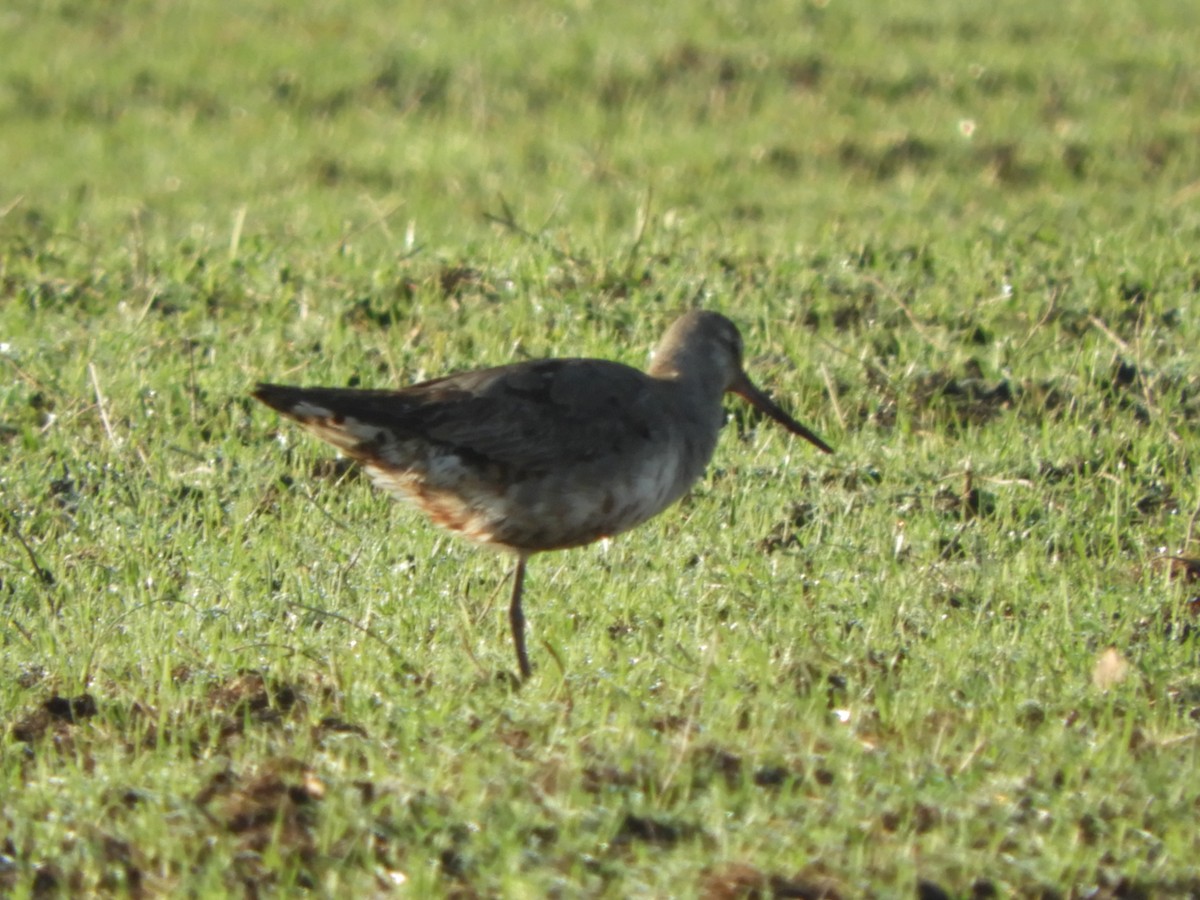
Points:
x=516 y=616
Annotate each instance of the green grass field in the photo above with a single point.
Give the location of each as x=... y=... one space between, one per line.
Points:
x=958 y=658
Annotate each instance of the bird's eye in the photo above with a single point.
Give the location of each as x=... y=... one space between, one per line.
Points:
x=733 y=341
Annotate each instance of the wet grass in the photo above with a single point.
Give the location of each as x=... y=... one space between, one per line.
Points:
x=959 y=658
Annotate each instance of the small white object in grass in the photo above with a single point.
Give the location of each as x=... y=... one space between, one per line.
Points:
x=842 y=715
x=1110 y=670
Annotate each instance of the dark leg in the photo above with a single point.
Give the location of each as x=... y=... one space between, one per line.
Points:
x=517 y=617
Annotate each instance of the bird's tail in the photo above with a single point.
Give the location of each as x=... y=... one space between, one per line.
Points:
x=338 y=416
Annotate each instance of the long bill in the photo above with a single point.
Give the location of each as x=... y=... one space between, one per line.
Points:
x=745 y=388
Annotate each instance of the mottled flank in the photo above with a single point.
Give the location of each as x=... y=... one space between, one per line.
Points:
x=543 y=455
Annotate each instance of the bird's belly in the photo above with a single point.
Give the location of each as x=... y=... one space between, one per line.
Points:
x=566 y=507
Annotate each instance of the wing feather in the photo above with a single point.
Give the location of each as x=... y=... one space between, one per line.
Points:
x=524 y=417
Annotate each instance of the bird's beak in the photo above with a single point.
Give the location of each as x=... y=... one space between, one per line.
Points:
x=745 y=388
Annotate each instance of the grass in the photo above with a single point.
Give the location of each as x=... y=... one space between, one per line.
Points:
x=958 y=658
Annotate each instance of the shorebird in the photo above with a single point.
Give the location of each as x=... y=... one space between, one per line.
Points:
x=547 y=454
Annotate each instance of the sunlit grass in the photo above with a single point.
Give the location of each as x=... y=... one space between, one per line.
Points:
x=960 y=246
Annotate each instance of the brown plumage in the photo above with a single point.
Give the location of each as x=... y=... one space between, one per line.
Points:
x=548 y=454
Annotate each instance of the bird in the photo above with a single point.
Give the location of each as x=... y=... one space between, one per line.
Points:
x=544 y=454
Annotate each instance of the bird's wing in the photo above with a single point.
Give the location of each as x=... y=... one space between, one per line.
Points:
x=523 y=417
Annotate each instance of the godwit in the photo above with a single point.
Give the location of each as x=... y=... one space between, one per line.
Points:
x=548 y=454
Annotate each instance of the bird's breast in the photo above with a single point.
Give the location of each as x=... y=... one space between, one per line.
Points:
x=556 y=506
